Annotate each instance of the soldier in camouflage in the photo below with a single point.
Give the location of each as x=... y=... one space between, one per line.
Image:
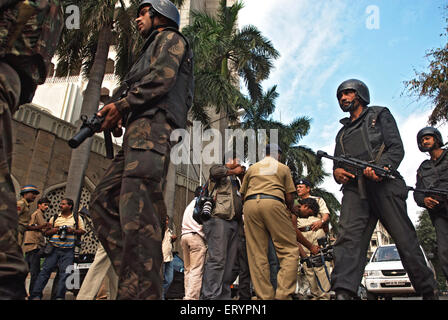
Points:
x=127 y=206
x=29 y=34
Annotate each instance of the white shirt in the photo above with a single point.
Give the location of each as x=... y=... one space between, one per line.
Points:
x=190 y=225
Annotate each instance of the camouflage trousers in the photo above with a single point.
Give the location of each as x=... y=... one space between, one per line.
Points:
x=13 y=268
x=128 y=209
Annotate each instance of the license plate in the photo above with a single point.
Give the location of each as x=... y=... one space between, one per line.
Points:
x=82 y=265
x=395 y=283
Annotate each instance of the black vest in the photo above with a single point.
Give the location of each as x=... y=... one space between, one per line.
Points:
x=363 y=138
x=179 y=99
x=434 y=174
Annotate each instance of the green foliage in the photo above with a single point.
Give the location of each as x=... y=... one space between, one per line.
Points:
x=427 y=238
x=300 y=159
x=223 y=55
x=433 y=84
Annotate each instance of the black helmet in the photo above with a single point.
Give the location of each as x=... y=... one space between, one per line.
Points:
x=429 y=131
x=357 y=85
x=163 y=7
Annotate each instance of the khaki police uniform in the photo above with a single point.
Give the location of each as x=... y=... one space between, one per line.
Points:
x=34 y=239
x=303 y=224
x=23 y=210
x=265 y=214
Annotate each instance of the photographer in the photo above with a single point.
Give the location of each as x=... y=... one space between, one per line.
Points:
x=221 y=230
x=64 y=230
x=308 y=210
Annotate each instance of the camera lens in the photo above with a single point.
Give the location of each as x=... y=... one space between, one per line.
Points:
x=207 y=209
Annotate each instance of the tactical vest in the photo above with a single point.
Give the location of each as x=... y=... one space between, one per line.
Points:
x=179 y=99
x=434 y=174
x=363 y=138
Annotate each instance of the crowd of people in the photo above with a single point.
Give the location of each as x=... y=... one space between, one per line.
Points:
x=255 y=229
x=213 y=254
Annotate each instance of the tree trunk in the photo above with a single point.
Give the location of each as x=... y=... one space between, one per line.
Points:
x=80 y=156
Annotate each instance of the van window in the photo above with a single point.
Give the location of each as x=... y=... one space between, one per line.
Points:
x=386 y=254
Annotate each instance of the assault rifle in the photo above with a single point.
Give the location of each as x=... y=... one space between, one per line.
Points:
x=357 y=167
x=93 y=124
x=440 y=195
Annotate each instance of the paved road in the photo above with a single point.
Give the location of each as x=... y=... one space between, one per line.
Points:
x=47 y=291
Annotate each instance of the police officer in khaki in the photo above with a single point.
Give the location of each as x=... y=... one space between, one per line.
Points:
x=317 y=276
x=28 y=195
x=268 y=192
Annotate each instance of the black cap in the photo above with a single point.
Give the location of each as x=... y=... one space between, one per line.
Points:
x=305 y=182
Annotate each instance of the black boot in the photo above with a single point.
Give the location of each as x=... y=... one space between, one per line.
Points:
x=434 y=295
x=342 y=294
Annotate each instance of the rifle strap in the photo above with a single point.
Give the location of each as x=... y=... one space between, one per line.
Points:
x=327 y=275
x=380 y=153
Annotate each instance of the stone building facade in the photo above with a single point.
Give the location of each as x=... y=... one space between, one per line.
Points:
x=41 y=156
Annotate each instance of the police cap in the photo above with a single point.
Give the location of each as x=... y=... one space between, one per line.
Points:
x=29 y=188
x=305 y=182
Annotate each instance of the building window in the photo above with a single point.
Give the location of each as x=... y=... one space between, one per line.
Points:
x=110 y=66
x=50 y=70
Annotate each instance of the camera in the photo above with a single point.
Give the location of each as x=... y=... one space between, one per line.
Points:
x=207 y=205
x=325 y=254
x=63 y=232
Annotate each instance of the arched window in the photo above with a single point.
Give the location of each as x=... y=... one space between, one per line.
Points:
x=110 y=66
x=50 y=70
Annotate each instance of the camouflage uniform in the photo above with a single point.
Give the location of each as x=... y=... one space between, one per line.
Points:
x=127 y=206
x=29 y=33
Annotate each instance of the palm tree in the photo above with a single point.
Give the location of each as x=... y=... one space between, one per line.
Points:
x=300 y=159
x=222 y=53
x=89 y=47
x=97 y=20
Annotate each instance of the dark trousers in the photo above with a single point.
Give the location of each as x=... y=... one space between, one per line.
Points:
x=128 y=209
x=33 y=260
x=222 y=241
x=274 y=264
x=440 y=223
x=241 y=269
x=62 y=258
x=386 y=202
x=13 y=268
x=168 y=272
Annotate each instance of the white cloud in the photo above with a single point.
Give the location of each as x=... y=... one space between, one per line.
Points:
x=309 y=36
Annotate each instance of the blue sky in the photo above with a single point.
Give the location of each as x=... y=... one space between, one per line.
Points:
x=323 y=43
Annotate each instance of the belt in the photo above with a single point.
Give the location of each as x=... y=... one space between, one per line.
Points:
x=264 y=196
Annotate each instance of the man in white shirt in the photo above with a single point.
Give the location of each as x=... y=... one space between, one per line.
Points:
x=194 y=249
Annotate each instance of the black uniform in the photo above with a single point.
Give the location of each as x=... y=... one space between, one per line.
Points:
x=374 y=136
x=434 y=174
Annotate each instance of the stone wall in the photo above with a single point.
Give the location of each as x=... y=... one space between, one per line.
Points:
x=41 y=156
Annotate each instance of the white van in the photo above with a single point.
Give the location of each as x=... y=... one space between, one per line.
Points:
x=384 y=276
